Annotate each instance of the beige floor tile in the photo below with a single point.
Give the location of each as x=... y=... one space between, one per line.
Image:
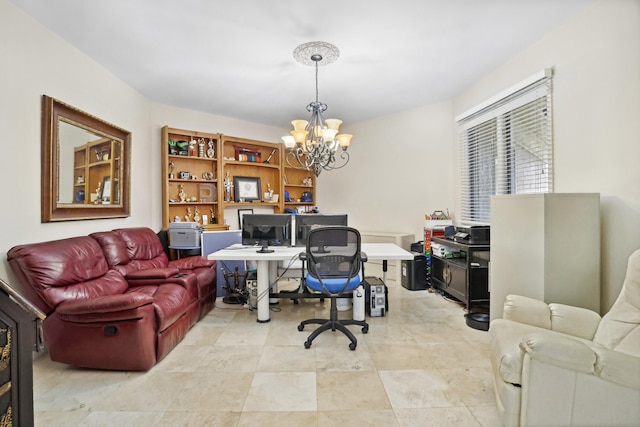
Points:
x=287 y=358
x=278 y=419
x=341 y=358
x=59 y=418
x=122 y=418
x=473 y=385
x=350 y=390
x=212 y=392
x=369 y=418
x=282 y=391
x=487 y=416
x=419 y=389
x=231 y=358
x=442 y=417
x=200 y=419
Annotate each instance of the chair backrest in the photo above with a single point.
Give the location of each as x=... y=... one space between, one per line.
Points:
x=619 y=329
x=333 y=254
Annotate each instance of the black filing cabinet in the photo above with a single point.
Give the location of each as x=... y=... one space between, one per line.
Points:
x=414 y=272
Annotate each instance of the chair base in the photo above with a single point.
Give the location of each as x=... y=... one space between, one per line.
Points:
x=334 y=324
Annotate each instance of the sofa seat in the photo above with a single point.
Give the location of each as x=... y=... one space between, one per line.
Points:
x=170 y=302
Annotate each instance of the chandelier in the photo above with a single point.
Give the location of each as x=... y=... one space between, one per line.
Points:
x=315 y=144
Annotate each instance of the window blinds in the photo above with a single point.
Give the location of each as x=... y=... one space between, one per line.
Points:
x=506 y=148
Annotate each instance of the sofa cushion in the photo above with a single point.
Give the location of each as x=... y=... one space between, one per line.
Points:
x=143 y=245
x=113 y=246
x=153 y=273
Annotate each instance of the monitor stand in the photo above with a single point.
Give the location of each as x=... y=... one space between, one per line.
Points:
x=265 y=248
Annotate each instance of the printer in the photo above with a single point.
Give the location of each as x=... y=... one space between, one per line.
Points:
x=185 y=234
x=474 y=235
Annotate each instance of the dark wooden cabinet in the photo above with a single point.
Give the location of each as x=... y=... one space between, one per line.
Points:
x=461 y=270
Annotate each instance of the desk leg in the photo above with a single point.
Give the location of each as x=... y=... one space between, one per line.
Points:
x=384 y=271
x=263 y=291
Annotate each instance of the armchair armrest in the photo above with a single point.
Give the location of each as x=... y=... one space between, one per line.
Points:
x=364 y=257
x=574 y=355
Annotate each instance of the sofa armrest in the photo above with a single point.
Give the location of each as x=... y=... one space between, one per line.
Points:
x=577 y=356
x=153 y=273
x=192 y=262
x=105 y=304
x=527 y=310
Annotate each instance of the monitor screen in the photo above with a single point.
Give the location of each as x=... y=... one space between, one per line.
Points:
x=305 y=222
x=266 y=229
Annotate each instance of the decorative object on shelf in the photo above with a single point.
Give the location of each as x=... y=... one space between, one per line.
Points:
x=247 y=155
x=270 y=156
x=80 y=180
x=185 y=175
x=208 y=176
x=213 y=217
x=183 y=148
x=284 y=178
x=182 y=194
x=210 y=151
x=247 y=188
x=201 y=147
x=313 y=144
x=79 y=196
x=196 y=215
x=227 y=188
x=208 y=192
x=187 y=217
x=172 y=165
x=192 y=147
x=98 y=194
x=173 y=149
x=308 y=181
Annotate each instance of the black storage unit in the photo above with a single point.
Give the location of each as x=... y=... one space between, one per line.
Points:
x=414 y=272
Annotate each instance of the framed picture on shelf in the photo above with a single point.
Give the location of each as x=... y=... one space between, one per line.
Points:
x=247 y=188
x=242 y=213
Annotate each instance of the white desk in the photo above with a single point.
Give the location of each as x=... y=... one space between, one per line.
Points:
x=267 y=264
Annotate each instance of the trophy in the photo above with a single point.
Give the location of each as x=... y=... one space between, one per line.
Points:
x=172 y=165
x=227 y=188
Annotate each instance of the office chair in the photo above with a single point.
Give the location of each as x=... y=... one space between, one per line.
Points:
x=335 y=266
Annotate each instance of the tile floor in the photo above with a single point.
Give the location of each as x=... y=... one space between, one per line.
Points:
x=418 y=366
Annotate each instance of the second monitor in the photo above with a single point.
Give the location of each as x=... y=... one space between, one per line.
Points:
x=305 y=222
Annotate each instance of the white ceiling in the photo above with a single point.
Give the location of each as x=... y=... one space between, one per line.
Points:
x=234 y=57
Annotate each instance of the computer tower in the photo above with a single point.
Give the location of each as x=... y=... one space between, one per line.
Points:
x=376 y=297
x=414 y=272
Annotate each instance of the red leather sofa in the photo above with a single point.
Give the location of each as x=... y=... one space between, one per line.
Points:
x=113 y=299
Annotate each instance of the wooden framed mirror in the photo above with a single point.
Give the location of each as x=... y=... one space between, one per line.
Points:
x=85 y=165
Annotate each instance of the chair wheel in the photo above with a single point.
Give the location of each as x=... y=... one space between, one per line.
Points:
x=352 y=346
x=301 y=327
x=307 y=344
x=295 y=301
x=365 y=329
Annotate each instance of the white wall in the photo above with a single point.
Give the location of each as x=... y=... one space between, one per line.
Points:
x=596 y=101
x=400 y=170
x=35 y=61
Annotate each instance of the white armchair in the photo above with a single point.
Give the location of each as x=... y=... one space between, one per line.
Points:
x=558 y=365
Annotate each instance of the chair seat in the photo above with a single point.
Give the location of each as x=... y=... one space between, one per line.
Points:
x=332 y=285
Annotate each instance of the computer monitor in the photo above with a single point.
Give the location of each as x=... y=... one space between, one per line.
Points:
x=305 y=222
x=266 y=230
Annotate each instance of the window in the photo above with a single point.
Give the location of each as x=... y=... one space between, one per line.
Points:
x=506 y=147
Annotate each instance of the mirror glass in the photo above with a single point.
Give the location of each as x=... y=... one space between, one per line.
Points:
x=85 y=165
